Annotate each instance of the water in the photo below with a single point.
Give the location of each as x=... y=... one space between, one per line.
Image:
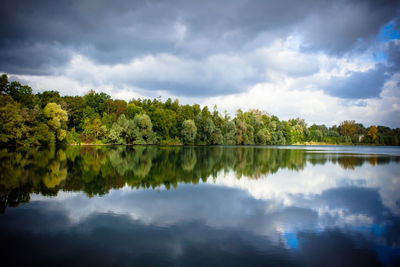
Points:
x=213 y=206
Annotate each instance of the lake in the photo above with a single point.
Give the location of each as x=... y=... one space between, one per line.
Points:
x=207 y=206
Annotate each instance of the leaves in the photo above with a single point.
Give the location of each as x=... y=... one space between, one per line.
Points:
x=189 y=132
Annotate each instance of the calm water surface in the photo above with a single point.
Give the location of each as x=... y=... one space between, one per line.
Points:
x=208 y=206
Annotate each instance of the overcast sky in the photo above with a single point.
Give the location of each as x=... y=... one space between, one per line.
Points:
x=324 y=61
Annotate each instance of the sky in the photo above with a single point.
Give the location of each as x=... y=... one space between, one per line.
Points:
x=324 y=61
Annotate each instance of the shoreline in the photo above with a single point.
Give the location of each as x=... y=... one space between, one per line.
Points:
x=294 y=145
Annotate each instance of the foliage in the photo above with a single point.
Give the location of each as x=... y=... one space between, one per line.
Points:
x=57 y=119
x=189 y=132
x=47 y=118
x=12 y=127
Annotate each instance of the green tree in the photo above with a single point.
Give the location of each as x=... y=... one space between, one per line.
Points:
x=164 y=123
x=143 y=130
x=229 y=132
x=262 y=137
x=21 y=94
x=75 y=106
x=96 y=101
x=3 y=84
x=57 y=119
x=93 y=129
x=189 y=131
x=49 y=97
x=132 y=110
x=12 y=127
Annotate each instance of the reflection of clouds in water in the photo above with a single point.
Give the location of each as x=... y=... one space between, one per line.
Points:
x=110 y=239
x=313 y=180
x=317 y=198
x=221 y=207
x=322 y=203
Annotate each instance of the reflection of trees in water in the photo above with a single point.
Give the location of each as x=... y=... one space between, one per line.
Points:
x=97 y=170
x=56 y=170
x=24 y=172
x=349 y=162
x=137 y=160
x=189 y=159
x=257 y=162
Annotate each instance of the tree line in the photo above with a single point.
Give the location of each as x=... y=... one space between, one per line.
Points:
x=47 y=118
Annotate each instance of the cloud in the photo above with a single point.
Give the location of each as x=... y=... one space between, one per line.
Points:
x=346 y=25
x=218 y=74
x=129 y=29
x=321 y=55
x=314 y=105
x=356 y=85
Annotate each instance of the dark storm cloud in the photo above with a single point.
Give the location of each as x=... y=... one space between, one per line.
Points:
x=367 y=84
x=358 y=85
x=117 y=31
x=35 y=58
x=346 y=25
x=393 y=52
x=39 y=37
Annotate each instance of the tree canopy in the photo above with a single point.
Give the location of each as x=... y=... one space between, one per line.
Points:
x=47 y=118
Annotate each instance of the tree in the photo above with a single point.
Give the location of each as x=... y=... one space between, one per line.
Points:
x=43 y=135
x=229 y=133
x=373 y=133
x=164 y=123
x=262 y=137
x=96 y=101
x=21 y=94
x=49 y=97
x=216 y=137
x=116 y=134
x=143 y=130
x=132 y=110
x=348 y=128
x=12 y=127
x=136 y=131
x=75 y=107
x=208 y=129
x=3 y=84
x=119 y=130
x=57 y=119
x=94 y=129
x=189 y=131
x=241 y=132
x=117 y=107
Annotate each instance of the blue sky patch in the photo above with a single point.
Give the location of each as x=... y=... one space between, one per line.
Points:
x=389 y=32
x=291 y=240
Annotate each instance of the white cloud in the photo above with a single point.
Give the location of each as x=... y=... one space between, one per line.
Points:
x=279 y=78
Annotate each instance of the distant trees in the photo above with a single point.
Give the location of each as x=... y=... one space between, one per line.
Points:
x=189 y=132
x=136 y=131
x=24 y=122
x=373 y=133
x=348 y=128
x=56 y=119
x=47 y=118
x=12 y=127
x=229 y=132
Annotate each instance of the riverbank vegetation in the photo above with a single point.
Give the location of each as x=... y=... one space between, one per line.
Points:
x=47 y=118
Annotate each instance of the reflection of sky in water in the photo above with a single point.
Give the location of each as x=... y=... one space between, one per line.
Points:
x=360 y=150
x=310 y=211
